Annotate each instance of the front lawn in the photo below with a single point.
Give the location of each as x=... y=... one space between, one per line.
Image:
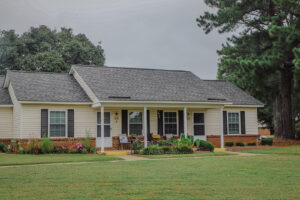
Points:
x=295 y=150
x=212 y=177
x=20 y=159
x=187 y=155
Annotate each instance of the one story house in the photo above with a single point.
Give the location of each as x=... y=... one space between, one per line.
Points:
x=89 y=100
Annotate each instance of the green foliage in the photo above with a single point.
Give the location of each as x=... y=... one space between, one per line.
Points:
x=84 y=151
x=184 y=149
x=266 y=141
x=164 y=143
x=3 y=147
x=152 y=150
x=34 y=146
x=87 y=144
x=206 y=146
x=172 y=140
x=168 y=149
x=229 y=144
x=137 y=146
x=240 y=144
x=197 y=142
x=251 y=144
x=133 y=136
x=43 y=49
x=46 y=146
x=182 y=141
x=262 y=54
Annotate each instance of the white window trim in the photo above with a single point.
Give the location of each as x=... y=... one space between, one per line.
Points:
x=66 y=122
x=228 y=123
x=177 y=121
x=199 y=124
x=104 y=122
x=128 y=124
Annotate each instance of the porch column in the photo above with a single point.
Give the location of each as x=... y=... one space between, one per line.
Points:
x=222 y=127
x=145 y=127
x=185 y=121
x=102 y=129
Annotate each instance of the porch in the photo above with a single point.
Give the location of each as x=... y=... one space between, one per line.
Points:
x=164 y=119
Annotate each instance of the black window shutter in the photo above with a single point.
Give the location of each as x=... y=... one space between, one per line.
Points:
x=181 y=124
x=44 y=123
x=124 y=121
x=160 y=122
x=225 y=122
x=70 y=123
x=243 y=124
x=148 y=121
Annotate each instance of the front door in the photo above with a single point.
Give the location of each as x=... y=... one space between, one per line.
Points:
x=107 y=130
x=199 y=126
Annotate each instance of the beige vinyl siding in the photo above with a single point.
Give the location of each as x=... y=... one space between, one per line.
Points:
x=250 y=118
x=84 y=119
x=17 y=113
x=6 y=122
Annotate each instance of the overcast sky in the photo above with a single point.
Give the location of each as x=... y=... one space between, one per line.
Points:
x=133 y=33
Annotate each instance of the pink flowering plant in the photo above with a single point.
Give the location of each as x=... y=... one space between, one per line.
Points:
x=78 y=147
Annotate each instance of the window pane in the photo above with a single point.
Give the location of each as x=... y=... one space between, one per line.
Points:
x=136 y=129
x=233 y=128
x=198 y=118
x=171 y=129
x=57 y=124
x=106 y=131
x=135 y=117
x=106 y=117
x=233 y=117
x=199 y=130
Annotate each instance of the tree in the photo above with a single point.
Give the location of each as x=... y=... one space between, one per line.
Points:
x=262 y=57
x=43 y=49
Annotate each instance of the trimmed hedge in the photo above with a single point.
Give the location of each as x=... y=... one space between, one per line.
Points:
x=206 y=146
x=240 y=144
x=229 y=144
x=251 y=144
x=266 y=141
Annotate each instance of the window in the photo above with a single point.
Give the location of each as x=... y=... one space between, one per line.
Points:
x=199 y=127
x=106 y=124
x=57 y=124
x=233 y=123
x=135 y=123
x=170 y=119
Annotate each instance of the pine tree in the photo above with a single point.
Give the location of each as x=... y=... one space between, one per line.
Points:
x=263 y=57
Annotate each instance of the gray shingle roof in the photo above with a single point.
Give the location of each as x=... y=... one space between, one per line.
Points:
x=46 y=87
x=4 y=95
x=236 y=95
x=135 y=84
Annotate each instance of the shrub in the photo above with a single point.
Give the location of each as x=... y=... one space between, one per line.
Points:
x=206 y=146
x=34 y=146
x=240 y=144
x=84 y=151
x=164 y=143
x=197 y=143
x=172 y=140
x=93 y=150
x=168 y=149
x=77 y=148
x=46 y=145
x=133 y=136
x=251 y=144
x=184 y=150
x=229 y=144
x=61 y=149
x=152 y=150
x=87 y=144
x=137 y=146
x=182 y=141
x=266 y=141
x=3 y=147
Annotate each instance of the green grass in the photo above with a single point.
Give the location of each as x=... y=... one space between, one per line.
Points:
x=212 y=177
x=295 y=150
x=19 y=159
x=187 y=155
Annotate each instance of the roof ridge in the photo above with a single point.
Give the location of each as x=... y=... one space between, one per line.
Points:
x=214 y=80
x=37 y=72
x=78 y=65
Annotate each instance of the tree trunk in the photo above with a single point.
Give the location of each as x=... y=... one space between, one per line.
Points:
x=283 y=113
